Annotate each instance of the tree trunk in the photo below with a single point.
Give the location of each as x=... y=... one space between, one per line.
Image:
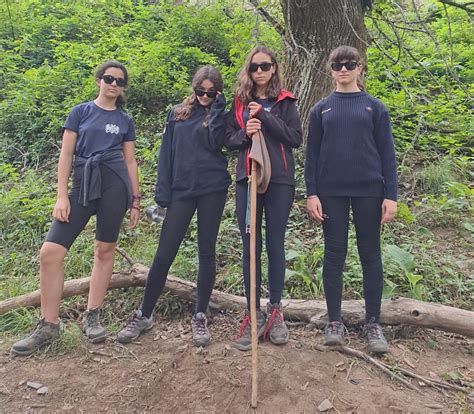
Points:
x=312 y=29
x=394 y=311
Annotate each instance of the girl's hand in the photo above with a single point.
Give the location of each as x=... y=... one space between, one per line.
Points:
x=389 y=209
x=254 y=108
x=134 y=216
x=315 y=209
x=253 y=125
x=62 y=208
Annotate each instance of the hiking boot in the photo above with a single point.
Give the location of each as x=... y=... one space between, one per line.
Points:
x=243 y=339
x=44 y=334
x=334 y=333
x=276 y=328
x=91 y=326
x=201 y=335
x=375 y=339
x=136 y=325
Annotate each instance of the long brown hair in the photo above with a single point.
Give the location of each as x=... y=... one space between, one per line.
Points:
x=121 y=100
x=347 y=53
x=245 y=90
x=185 y=110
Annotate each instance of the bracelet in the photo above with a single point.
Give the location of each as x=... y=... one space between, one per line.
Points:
x=136 y=208
x=137 y=197
x=311 y=196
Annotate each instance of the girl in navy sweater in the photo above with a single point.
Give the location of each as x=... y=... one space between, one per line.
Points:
x=261 y=104
x=350 y=163
x=192 y=176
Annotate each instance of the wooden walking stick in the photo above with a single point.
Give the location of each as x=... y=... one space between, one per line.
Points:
x=253 y=281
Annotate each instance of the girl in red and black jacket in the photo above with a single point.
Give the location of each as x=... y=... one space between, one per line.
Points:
x=261 y=104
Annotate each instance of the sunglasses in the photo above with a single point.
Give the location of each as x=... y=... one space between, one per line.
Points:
x=202 y=92
x=336 y=66
x=265 y=66
x=109 y=79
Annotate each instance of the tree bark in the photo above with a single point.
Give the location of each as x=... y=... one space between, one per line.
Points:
x=312 y=29
x=394 y=311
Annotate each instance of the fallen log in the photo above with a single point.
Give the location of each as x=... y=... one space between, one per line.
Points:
x=395 y=311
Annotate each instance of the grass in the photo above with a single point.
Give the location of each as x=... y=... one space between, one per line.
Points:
x=415 y=231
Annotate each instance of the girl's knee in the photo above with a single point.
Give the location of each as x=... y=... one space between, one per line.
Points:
x=104 y=251
x=52 y=253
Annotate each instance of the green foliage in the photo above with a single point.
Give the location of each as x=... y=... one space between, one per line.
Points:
x=50 y=50
x=406 y=263
x=420 y=66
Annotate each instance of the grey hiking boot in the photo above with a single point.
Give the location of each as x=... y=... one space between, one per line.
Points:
x=375 y=338
x=201 y=335
x=334 y=333
x=44 y=334
x=243 y=339
x=91 y=326
x=276 y=328
x=136 y=325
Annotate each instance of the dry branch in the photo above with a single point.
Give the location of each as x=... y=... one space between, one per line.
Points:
x=395 y=311
x=386 y=368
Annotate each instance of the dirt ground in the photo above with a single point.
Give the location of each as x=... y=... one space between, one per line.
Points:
x=163 y=372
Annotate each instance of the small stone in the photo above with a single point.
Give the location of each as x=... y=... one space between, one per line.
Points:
x=42 y=391
x=326 y=405
x=303 y=388
x=340 y=364
x=228 y=347
x=21 y=382
x=34 y=385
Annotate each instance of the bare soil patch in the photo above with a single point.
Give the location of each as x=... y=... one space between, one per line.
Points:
x=163 y=372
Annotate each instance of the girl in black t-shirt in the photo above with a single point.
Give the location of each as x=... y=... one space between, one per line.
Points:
x=99 y=145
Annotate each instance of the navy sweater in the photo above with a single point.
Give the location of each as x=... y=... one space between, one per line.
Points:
x=191 y=162
x=350 y=149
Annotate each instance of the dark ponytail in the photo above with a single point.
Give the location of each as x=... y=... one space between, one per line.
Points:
x=121 y=100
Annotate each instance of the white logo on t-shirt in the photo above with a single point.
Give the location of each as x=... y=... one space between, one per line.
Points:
x=112 y=129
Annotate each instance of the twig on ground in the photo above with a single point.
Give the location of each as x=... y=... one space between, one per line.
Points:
x=379 y=364
x=386 y=368
x=125 y=255
x=119 y=345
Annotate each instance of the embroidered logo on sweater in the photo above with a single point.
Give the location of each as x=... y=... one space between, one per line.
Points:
x=326 y=110
x=112 y=129
x=369 y=108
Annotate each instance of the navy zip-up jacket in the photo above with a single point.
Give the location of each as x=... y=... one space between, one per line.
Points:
x=281 y=128
x=350 y=150
x=191 y=162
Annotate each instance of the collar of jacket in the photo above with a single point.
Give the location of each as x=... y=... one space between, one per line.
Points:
x=239 y=106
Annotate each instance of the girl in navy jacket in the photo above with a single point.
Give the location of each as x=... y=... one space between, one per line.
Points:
x=192 y=176
x=350 y=163
x=261 y=104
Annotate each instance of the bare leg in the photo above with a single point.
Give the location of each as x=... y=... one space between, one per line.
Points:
x=101 y=273
x=51 y=279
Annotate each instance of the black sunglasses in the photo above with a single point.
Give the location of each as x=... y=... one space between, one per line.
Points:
x=336 y=66
x=109 y=79
x=265 y=66
x=202 y=92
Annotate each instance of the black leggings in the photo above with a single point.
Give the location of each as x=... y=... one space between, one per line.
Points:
x=277 y=203
x=367 y=213
x=178 y=216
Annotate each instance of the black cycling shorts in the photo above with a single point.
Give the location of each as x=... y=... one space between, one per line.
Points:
x=110 y=210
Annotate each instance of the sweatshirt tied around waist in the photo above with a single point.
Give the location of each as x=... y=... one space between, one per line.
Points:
x=91 y=179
